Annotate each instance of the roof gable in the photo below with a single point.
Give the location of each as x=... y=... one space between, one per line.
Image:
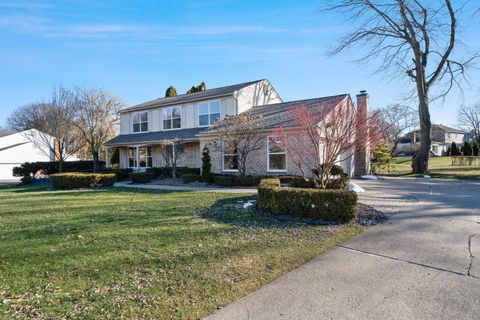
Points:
x=190 y=97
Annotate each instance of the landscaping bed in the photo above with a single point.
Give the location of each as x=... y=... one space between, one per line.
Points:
x=122 y=253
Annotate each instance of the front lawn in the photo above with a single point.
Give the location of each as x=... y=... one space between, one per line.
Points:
x=119 y=253
x=439 y=167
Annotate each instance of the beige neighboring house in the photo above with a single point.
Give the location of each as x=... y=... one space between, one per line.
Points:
x=18 y=148
x=442 y=137
x=145 y=128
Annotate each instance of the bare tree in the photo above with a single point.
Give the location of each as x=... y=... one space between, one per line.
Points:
x=413 y=38
x=54 y=123
x=95 y=117
x=326 y=134
x=468 y=118
x=240 y=133
x=4 y=131
x=397 y=119
x=172 y=152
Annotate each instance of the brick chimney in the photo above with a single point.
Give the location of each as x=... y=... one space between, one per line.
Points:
x=362 y=150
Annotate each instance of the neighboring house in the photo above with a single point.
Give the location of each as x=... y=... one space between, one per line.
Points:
x=18 y=148
x=442 y=137
x=144 y=128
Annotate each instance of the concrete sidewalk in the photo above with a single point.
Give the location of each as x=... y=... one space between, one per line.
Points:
x=128 y=184
x=423 y=263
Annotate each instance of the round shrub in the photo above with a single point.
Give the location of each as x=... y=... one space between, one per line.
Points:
x=82 y=180
x=141 y=177
x=328 y=205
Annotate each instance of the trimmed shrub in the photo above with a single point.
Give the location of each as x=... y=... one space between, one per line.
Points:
x=121 y=174
x=206 y=165
x=337 y=170
x=247 y=181
x=48 y=168
x=270 y=182
x=141 y=177
x=226 y=181
x=339 y=183
x=189 y=178
x=26 y=179
x=296 y=182
x=166 y=172
x=328 y=205
x=82 y=180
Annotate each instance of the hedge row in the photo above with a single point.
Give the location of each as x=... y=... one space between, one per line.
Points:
x=238 y=181
x=328 y=205
x=82 y=180
x=189 y=178
x=52 y=167
x=141 y=177
x=166 y=172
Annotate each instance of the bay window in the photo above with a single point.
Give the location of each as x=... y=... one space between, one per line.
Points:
x=140 y=121
x=208 y=113
x=276 y=155
x=230 y=156
x=172 y=118
x=140 y=157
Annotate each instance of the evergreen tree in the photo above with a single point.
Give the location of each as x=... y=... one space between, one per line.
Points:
x=467 y=149
x=382 y=159
x=206 y=165
x=475 y=150
x=200 y=87
x=171 y=92
x=454 y=150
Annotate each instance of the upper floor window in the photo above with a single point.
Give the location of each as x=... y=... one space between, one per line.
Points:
x=208 y=113
x=172 y=118
x=140 y=121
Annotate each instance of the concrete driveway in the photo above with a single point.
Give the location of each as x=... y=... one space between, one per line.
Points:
x=423 y=263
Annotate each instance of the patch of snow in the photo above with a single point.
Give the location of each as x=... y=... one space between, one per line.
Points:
x=427 y=177
x=355 y=188
x=369 y=177
x=248 y=204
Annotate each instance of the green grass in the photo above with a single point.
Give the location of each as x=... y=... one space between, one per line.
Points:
x=439 y=167
x=126 y=254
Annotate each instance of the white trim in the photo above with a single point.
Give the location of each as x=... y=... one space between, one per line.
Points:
x=171 y=119
x=136 y=157
x=209 y=113
x=223 y=160
x=268 y=158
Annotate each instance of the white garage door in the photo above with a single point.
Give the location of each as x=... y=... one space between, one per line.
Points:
x=6 y=171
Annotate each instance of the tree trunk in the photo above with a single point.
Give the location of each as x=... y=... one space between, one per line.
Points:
x=95 y=156
x=420 y=160
x=60 y=165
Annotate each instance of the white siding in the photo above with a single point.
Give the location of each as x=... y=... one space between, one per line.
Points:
x=257 y=94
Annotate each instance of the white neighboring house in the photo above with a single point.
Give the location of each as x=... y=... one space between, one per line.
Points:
x=17 y=148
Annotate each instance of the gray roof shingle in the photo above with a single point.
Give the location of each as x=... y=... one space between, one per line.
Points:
x=184 y=98
x=157 y=136
x=276 y=115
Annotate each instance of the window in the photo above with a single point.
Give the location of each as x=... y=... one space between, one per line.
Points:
x=143 y=159
x=208 y=113
x=172 y=118
x=140 y=122
x=132 y=157
x=230 y=156
x=276 y=155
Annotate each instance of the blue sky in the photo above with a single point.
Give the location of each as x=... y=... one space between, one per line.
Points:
x=136 y=49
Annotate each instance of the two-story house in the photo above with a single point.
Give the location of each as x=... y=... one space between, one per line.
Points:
x=147 y=127
x=441 y=137
x=144 y=127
